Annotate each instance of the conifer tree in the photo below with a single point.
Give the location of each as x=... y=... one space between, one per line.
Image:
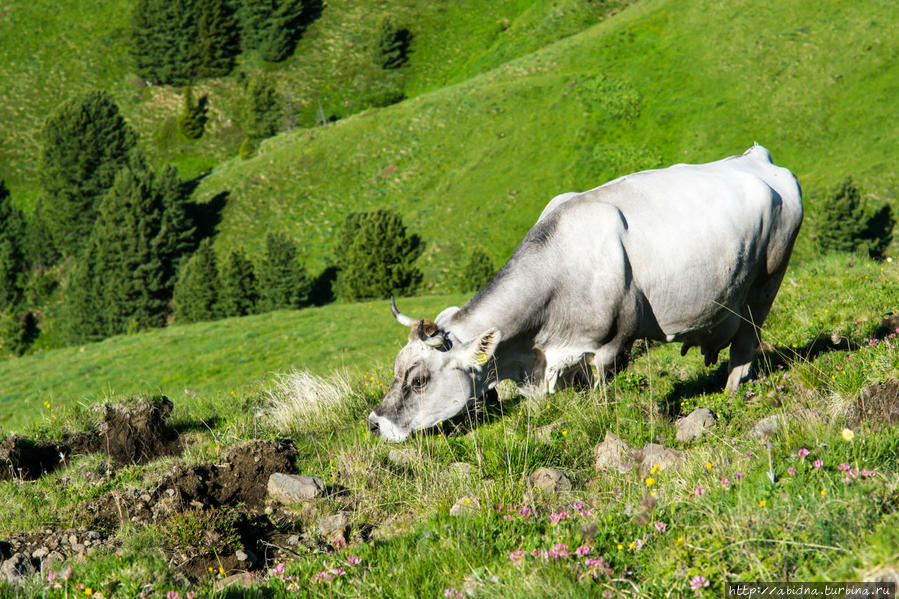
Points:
x=85 y=142
x=199 y=287
x=390 y=45
x=83 y=317
x=128 y=263
x=177 y=236
x=240 y=290
x=844 y=223
x=264 y=108
x=477 y=272
x=12 y=240
x=376 y=256
x=216 y=40
x=174 y=41
x=271 y=26
x=192 y=119
x=17 y=331
x=283 y=282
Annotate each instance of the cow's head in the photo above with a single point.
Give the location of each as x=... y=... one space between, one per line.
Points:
x=435 y=376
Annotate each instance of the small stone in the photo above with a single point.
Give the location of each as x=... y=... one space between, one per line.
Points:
x=403 y=457
x=78 y=547
x=73 y=540
x=40 y=552
x=293 y=540
x=290 y=488
x=243 y=579
x=694 y=425
x=465 y=506
x=54 y=557
x=613 y=454
x=654 y=454
x=240 y=555
x=334 y=527
x=550 y=480
x=16 y=569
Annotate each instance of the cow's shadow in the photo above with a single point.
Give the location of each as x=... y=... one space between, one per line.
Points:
x=768 y=359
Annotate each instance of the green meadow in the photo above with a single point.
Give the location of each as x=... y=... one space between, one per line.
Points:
x=501 y=106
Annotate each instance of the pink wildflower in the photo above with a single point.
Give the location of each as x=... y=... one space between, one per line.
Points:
x=508 y=517
x=556 y=518
x=661 y=526
x=843 y=467
x=338 y=542
x=725 y=483
x=559 y=550
x=578 y=505
x=865 y=473
x=524 y=511
x=352 y=560
x=582 y=550
x=190 y=595
x=51 y=576
x=516 y=557
x=818 y=464
x=791 y=470
x=453 y=593
x=699 y=491
x=738 y=475
x=802 y=452
x=278 y=570
x=846 y=479
x=698 y=582
x=537 y=553
x=172 y=595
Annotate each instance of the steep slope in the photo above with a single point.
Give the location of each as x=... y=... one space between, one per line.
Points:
x=661 y=82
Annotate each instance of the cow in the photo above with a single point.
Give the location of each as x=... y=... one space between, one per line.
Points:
x=692 y=254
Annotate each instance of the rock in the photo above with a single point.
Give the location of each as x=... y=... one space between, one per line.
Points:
x=78 y=547
x=334 y=527
x=459 y=469
x=16 y=569
x=771 y=425
x=40 y=552
x=545 y=434
x=654 y=454
x=403 y=457
x=692 y=426
x=550 y=480
x=54 y=557
x=242 y=579
x=613 y=454
x=290 y=488
x=465 y=506
x=293 y=540
x=241 y=556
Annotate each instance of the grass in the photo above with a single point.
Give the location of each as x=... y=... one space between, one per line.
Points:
x=718 y=515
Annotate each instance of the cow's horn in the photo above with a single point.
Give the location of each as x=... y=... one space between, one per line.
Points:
x=435 y=341
x=400 y=317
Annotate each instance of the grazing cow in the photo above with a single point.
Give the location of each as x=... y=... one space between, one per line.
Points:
x=691 y=253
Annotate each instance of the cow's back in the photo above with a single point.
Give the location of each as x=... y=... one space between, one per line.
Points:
x=698 y=237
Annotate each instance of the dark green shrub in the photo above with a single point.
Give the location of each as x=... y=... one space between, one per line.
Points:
x=476 y=273
x=17 y=331
x=192 y=119
x=376 y=256
x=84 y=144
x=283 y=282
x=12 y=242
x=845 y=225
x=203 y=532
x=247 y=149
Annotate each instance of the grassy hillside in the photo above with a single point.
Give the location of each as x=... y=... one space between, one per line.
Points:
x=53 y=51
x=454 y=513
x=662 y=82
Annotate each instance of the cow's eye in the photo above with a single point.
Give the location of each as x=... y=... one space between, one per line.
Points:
x=418 y=383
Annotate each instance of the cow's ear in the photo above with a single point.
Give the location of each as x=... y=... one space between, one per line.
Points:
x=479 y=351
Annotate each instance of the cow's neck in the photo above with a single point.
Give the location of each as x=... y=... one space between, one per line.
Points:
x=514 y=302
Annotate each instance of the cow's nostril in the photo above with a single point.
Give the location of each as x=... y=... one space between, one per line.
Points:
x=373 y=426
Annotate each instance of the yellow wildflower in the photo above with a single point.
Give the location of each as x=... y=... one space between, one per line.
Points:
x=848 y=435
x=763 y=503
x=654 y=469
x=650 y=481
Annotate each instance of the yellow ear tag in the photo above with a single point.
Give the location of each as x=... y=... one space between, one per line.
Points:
x=481 y=358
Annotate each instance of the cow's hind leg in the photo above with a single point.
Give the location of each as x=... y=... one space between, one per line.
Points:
x=748 y=337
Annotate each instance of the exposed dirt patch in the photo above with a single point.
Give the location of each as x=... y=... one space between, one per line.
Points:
x=877 y=403
x=23 y=458
x=240 y=478
x=133 y=434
